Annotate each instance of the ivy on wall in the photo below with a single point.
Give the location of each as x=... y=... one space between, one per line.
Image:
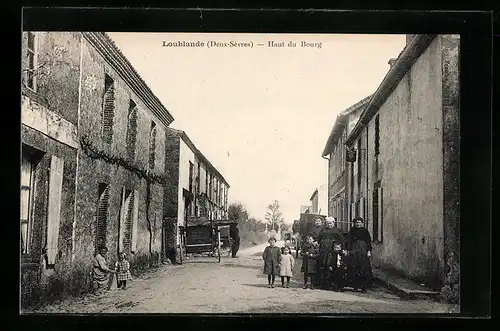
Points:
x=94 y=153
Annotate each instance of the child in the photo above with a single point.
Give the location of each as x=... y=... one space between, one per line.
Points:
x=271 y=257
x=310 y=254
x=122 y=271
x=287 y=265
x=337 y=267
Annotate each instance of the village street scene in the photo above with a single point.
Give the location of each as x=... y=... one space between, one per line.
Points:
x=239 y=173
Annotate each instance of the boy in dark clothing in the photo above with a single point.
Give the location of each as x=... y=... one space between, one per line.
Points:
x=310 y=254
x=337 y=267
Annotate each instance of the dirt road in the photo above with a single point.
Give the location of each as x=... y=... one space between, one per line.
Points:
x=202 y=285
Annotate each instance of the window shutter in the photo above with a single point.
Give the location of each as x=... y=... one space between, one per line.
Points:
x=135 y=214
x=54 y=210
x=132 y=133
x=127 y=237
x=353 y=211
x=362 y=208
x=102 y=217
x=123 y=209
x=152 y=147
x=375 y=214
x=380 y=214
x=108 y=113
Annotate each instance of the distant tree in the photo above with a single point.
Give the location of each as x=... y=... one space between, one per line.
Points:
x=237 y=212
x=256 y=225
x=274 y=216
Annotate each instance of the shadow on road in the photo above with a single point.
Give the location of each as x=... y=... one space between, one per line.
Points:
x=200 y=260
x=241 y=266
x=255 y=285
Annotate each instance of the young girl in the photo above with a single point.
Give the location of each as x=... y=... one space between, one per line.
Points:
x=271 y=257
x=122 y=271
x=310 y=254
x=287 y=265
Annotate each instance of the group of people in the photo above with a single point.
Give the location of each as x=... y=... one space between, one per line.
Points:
x=330 y=261
x=101 y=272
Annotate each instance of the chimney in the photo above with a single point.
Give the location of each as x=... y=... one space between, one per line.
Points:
x=392 y=61
x=409 y=38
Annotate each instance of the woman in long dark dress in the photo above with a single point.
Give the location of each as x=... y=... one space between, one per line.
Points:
x=360 y=248
x=326 y=237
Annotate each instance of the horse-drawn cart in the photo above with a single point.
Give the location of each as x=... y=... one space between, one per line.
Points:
x=203 y=237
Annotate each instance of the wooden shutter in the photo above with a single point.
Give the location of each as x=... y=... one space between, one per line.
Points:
x=135 y=216
x=26 y=171
x=127 y=235
x=362 y=208
x=152 y=146
x=375 y=214
x=54 y=210
x=121 y=227
x=380 y=214
x=108 y=112
x=102 y=216
x=132 y=132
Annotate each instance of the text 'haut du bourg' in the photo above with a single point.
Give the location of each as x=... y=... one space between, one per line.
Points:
x=235 y=44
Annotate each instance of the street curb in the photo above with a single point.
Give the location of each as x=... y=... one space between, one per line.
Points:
x=405 y=294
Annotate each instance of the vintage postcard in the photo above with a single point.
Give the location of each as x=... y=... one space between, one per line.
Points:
x=239 y=173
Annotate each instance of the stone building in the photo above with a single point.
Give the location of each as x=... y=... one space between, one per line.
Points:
x=305 y=209
x=197 y=190
x=404 y=178
x=319 y=200
x=93 y=144
x=336 y=152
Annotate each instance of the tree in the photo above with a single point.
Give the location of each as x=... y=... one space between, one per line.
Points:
x=237 y=212
x=274 y=216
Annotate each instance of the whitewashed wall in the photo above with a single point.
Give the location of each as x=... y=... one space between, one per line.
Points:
x=186 y=155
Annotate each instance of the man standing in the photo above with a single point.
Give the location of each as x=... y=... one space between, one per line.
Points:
x=234 y=233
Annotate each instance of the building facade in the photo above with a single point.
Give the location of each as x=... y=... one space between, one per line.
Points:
x=93 y=142
x=404 y=178
x=319 y=200
x=305 y=209
x=197 y=189
x=338 y=205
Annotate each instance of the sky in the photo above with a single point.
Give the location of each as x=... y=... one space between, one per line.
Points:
x=262 y=115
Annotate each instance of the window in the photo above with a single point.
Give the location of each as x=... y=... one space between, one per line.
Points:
x=210 y=186
x=206 y=182
x=27 y=171
x=152 y=146
x=377 y=135
x=131 y=130
x=359 y=165
x=31 y=54
x=342 y=152
x=191 y=169
x=102 y=214
x=198 y=174
x=108 y=109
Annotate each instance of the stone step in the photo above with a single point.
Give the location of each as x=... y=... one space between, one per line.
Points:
x=405 y=288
